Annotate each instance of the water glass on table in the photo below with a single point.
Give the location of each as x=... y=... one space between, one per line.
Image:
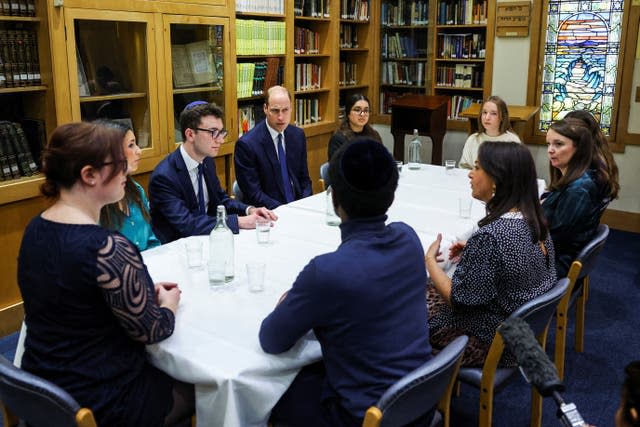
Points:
x=464 y=204
x=449 y=166
x=255 y=276
x=263 y=229
x=194 y=253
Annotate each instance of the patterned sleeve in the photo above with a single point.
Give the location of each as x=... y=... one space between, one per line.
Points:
x=474 y=281
x=130 y=292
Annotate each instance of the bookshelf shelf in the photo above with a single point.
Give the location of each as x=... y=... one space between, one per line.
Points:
x=23 y=89
x=112 y=97
x=354 y=50
x=311 y=91
x=259 y=15
x=312 y=19
x=460 y=88
x=353 y=87
x=4 y=18
x=197 y=89
x=403 y=86
x=258 y=57
x=311 y=55
x=477 y=60
x=460 y=26
x=251 y=98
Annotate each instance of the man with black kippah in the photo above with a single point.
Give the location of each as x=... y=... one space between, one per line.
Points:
x=364 y=302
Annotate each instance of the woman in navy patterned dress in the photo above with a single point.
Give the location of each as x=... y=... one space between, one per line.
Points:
x=508 y=261
x=90 y=304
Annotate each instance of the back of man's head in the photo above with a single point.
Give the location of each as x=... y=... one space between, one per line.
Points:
x=364 y=178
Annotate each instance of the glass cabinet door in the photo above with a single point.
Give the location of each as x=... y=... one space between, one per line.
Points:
x=195 y=66
x=112 y=72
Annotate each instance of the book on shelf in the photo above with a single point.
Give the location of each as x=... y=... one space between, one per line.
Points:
x=272 y=75
x=193 y=64
x=19 y=64
x=12 y=170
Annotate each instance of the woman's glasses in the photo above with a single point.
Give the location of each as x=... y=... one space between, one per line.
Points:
x=360 y=111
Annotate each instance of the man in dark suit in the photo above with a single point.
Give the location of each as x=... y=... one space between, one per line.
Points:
x=184 y=190
x=271 y=159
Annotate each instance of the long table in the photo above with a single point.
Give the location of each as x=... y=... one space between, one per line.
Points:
x=215 y=343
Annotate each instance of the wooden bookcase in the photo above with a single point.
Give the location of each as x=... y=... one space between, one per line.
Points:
x=356 y=41
x=463 y=54
x=413 y=58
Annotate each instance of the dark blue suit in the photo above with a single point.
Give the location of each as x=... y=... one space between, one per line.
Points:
x=258 y=170
x=174 y=204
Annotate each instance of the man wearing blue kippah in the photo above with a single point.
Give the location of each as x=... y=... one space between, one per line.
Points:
x=364 y=302
x=184 y=189
x=271 y=159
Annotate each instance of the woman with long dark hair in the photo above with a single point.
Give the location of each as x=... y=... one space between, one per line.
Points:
x=357 y=111
x=130 y=215
x=507 y=262
x=577 y=193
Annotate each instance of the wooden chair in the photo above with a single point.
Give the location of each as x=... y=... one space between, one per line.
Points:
x=537 y=313
x=418 y=392
x=237 y=192
x=324 y=175
x=38 y=402
x=578 y=293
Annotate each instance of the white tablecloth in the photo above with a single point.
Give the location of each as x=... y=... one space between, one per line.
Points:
x=215 y=344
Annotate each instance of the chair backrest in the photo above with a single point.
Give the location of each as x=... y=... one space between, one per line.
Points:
x=237 y=192
x=37 y=401
x=539 y=311
x=588 y=256
x=324 y=175
x=418 y=392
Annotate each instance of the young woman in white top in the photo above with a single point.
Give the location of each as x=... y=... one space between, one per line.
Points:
x=493 y=125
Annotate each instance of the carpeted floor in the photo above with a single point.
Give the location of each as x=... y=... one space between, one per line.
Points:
x=592 y=378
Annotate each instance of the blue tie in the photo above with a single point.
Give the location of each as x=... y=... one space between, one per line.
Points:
x=288 y=192
x=201 y=190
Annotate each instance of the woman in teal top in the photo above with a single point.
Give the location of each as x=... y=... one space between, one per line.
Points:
x=130 y=216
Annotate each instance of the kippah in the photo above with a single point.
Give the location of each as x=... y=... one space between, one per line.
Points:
x=194 y=104
x=367 y=165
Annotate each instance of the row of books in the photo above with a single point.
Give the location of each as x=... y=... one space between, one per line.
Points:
x=307 y=111
x=255 y=37
x=312 y=8
x=405 y=13
x=18 y=8
x=395 y=45
x=461 y=46
x=402 y=73
x=462 y=12
x=457 y=104
x=260 y=6
x=348 y=36
x=306 y=41
x=248 y=116
x=16 y=157
x=308 y=76
x=354 y=9
x=348 y=74
x=254 y=78
x=460 y=75
x=19 y=62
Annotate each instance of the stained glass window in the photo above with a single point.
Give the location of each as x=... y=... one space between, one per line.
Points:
x=581 y=59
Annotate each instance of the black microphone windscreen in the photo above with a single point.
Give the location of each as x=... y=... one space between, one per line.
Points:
x=521 y=342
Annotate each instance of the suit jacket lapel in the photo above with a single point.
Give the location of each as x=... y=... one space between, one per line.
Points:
x=183 y=178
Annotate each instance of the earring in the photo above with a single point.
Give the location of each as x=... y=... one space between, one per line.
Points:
x=493 y=190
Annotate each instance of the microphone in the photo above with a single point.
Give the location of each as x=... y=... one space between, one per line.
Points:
x=533 y=361
x=536 y=367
